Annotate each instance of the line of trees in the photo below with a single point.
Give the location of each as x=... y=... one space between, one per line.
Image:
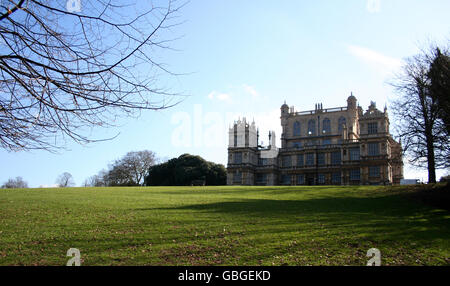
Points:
x=423 y=110
x=145 y=168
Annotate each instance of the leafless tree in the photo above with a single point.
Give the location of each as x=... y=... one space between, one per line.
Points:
x=118 y=175
x=422 y=131
x=99 y=180
x=132 y=168
x=17 y=183
x=139 y=163
x=65 y=180
x=64 y=70
x=94 y=181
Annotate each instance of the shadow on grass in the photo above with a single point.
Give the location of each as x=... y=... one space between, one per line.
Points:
x=390 y=217
x=193 y=191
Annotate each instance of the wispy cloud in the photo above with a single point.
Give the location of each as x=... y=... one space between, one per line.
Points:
x=214 y=95
x=240 y=93
x=383 y=63
x=373 y=6
x=250 y=90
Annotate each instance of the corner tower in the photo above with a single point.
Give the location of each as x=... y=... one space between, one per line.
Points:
x=242 y=153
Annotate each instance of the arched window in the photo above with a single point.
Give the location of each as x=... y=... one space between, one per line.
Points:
x=341 y=123
x=326 y=128
x=312 y=127
x=297 y=129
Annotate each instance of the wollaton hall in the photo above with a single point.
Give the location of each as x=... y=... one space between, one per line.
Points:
x=333 y=146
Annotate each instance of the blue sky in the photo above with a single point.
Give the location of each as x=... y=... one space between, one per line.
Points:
x=247 y=58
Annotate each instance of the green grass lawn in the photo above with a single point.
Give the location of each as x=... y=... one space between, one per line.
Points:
x=221 y=226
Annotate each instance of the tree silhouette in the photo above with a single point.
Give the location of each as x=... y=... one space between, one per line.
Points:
x=418 y=113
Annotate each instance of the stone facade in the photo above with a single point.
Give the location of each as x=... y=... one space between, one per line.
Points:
x=334 y=146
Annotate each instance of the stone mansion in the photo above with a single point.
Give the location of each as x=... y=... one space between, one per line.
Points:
x=334 y=146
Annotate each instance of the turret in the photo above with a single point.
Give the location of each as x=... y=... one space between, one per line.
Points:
x=351 y=102
x=243 y=134
x=284 y=110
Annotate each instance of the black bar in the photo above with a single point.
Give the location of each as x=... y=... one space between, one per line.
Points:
x=223 y=275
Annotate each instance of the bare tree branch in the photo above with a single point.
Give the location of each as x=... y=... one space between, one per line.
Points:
x=63 y=72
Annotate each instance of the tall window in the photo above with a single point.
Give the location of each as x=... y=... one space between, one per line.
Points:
x=336 y=178
x=300 y=179
x=326 y=142
x=374 y=149
x=321 y=159
x=341 y=122
x=326 y=128
x=263 y=162
x=355 y=175
x=336 y=158
x=310 y=159
x=238 y=158
x=261 y=178
x=312 y=127
x=300 y=160
x=374 y=171
x=286 y=161
x=321 y=179
x=237 y=178
x=286 y=179
x=354 y=154
x=372 y=128
x=297 y=130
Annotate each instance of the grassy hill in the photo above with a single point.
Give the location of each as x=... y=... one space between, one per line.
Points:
x=221 y=226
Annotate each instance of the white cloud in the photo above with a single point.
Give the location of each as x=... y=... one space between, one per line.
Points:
x=250 y=90
x=214 y=95
x=373 y=6
x=49 y=186
x=382 y=63
x=241 y=91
